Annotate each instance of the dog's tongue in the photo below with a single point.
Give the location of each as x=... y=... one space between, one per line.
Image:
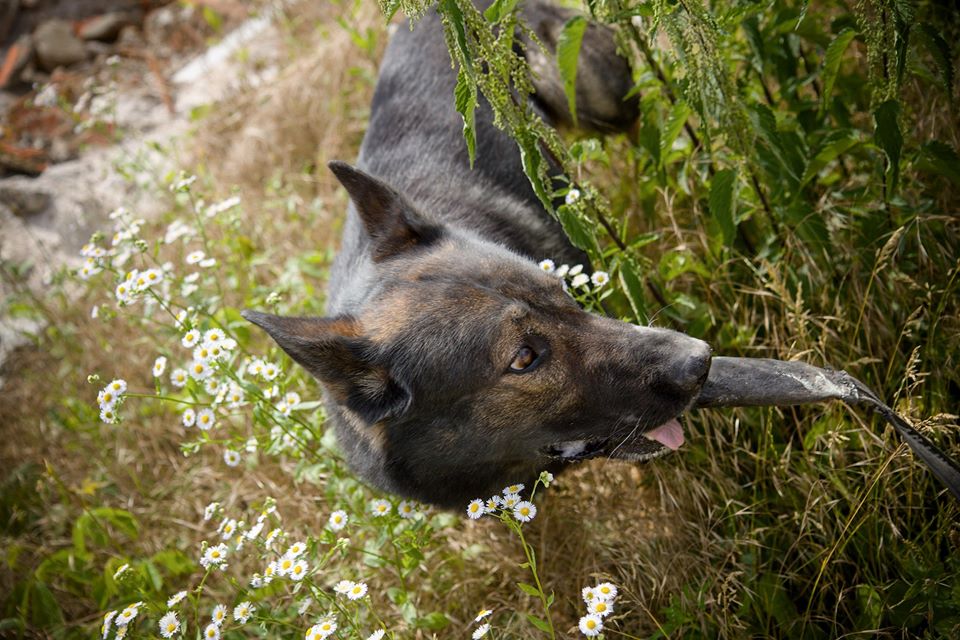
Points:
x=669 y=434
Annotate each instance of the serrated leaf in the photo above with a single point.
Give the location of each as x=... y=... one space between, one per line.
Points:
x=721 y=203
x=575 y=228
x=465 y=100
x=539 y=623
x=940 y=52
x=531 y=161
x=839 y=143
x=529 y=589
x=633 y=287
x=888 y=137
x=568 y=53
x=831 y=63
x=675 y=121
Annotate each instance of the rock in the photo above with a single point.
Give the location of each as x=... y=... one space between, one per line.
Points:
x=15 y=60
x=106 y=27
x=22 y=200
x=56 y=46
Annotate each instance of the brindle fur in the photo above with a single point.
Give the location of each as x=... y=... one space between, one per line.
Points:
x=436 y=288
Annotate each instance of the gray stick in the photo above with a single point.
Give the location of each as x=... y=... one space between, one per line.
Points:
x=761 y=382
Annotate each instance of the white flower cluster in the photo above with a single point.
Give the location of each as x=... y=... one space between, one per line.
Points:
x=119 y=620
x=481 y=630
x=350 y=589
x=599 y=600
x=577 y=278
x=510 y=503
x=110 y=398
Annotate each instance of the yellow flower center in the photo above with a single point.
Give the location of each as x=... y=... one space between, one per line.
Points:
x=591 y=624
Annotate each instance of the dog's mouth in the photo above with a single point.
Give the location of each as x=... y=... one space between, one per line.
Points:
x=642 y=447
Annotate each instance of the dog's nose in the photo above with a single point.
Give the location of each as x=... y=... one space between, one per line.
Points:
x=691 y=369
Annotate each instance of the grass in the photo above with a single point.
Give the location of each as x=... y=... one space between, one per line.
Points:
x=811 y=522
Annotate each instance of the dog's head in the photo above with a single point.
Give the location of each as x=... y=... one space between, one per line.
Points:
x=464 y=367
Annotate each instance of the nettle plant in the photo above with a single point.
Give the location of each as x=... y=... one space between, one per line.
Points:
x=359 y=576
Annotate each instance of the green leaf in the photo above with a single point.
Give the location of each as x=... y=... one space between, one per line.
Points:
x=499 y=10
x=529 y=589
x=568 y=53
x=576 y=229
x=940 y=52
x=465 y=99
x=888 y=137
x=675 y=121
x=633 y=287
x=539 y=623
x=939 y=157
x=831 y=64
x=840 y=142
x=722 y=205
x=433 y=621
x=531 y=160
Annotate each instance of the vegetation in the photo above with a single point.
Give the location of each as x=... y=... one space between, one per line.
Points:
x=790 y=191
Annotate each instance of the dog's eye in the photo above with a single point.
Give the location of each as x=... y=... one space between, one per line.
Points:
x=524 y=359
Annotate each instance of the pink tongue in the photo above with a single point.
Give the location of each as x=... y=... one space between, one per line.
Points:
x=669 y=434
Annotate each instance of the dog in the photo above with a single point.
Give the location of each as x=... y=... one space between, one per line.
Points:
x=451 y=364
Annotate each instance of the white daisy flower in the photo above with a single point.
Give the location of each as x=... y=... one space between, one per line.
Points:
x=234 y=397
x=270 y=371
x=591 y=625
x=296 y=549
x=579 y=280
x=227 y=528
x=229 y=344
x=269 y=572
x=338 y=520
x=273 y=535
x=298 y=570
x=210 y=510
x=357 y=591
x=572 y=196
x=380 y=508
x=212 y=632
x=256 y=581
x=575 y=270
x=606 y=590
x=588 y=594
x=107 y=398
x=159 y=366
x=524 y=511
x=202 y=353
x=343 y=587
x=108 y=415
x=547 y=265
x=242 y=612
x=152 y=277
x=510 y=500
x=562 y=270
x=214 y=336
x=178 y=378
x=190 y=339
x=475 y=509
x=283 y=408
x=284 y=565
x=491 y=505
x=205 y=419
x=407 y=509
x=292 y=398
x=219 y=614
x=481 y=631
x=212 y=386
x=176 y=598
x=208 y=262
x=514 y=488
x=118 y=386
x=231 y=457
x=200 y=370
x=377 y=635
x=600 y=278
x=599 y=607
x=255 y=368
x=169 y=624
x=126 y=616
x=107 y=621
x=195 y=257
x=120 y=570
x=188 y=417
x=322 y=629
x=214 y=556
x=255 y=530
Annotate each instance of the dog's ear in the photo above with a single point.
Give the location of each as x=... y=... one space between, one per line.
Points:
x=335 y=352
x=392 y=222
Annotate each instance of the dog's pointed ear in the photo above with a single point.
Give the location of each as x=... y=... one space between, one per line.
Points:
x=392 y=222
x=335 y=352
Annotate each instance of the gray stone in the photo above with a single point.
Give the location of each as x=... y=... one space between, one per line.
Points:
x=56 y=46
x=23 y=200
x=106 y=27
